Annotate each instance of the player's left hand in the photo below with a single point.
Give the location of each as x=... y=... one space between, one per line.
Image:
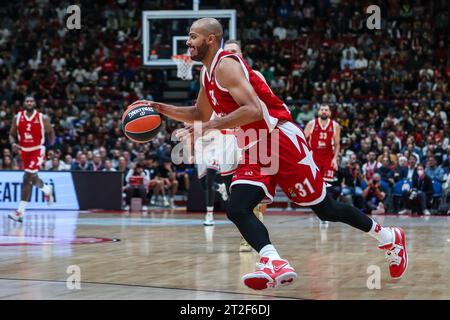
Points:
x=334 y=164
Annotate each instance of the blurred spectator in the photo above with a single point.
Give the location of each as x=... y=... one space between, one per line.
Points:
x=401 y=170
x=419 y=197
x=446 y=161
x=412 y=171
x=97 y=164
x=7 y=163
x=108 y=166
x=352 y=179
x=385 y=171
x=156 y=183
x=387 y=154
x=371 y=166
x=68 y=162
x=169 y=177
x=137 y=181
x=57 y=165
x=82 y=164
x=374 y=196
x=433 y=171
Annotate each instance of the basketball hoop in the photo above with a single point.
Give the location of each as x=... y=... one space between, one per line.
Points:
x=184 y=66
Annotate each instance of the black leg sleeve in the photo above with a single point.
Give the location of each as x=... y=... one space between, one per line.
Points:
x=227 y=180
x=332 y=210
x=240 y=211
x=208 y=186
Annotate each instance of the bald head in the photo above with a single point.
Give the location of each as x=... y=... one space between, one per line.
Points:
x=205 y=38
x=208 y=26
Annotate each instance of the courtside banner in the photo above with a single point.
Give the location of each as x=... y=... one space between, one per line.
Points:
x=63 y=190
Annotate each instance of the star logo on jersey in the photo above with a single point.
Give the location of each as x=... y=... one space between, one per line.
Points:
x=309 y=161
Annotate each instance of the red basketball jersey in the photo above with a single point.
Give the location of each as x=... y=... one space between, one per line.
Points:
x=30 y=130
x=274 y=110
x=321 y=140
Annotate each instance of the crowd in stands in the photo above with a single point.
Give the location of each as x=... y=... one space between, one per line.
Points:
x=388 y=88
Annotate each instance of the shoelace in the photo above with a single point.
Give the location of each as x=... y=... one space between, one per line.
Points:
x=392 y=255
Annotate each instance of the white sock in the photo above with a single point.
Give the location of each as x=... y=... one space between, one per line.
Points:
x=46 y=189
x=209 y=210
x=22 y=206
x=382 y=234
x=270 y=252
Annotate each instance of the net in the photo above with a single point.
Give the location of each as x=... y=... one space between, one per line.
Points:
x=184 y=66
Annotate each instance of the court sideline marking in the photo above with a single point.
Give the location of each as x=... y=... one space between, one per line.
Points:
x=156 y=287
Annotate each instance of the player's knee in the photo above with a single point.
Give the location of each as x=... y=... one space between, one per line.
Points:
x=328 y=210
x=236 y=210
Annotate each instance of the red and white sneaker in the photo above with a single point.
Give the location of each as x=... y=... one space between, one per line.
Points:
x=49 y=197
x=270 y=274
x=396 y=253
x=16 y=216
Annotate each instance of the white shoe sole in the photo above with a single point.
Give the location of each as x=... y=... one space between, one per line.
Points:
x=406 y=254
x=286 y=279
x=262 y=281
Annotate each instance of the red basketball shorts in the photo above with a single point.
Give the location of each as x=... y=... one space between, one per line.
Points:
x=32 y=160
x=323 y=161
x=282 y=158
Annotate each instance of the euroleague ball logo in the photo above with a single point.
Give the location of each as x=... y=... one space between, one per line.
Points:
x=140 y=122
x=141 y=111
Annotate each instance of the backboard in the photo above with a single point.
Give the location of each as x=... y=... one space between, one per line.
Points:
x=164 y=32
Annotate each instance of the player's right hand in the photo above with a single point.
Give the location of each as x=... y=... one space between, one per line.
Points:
x=157 y=106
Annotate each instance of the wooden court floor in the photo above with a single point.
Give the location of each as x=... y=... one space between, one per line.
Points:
x=170 y=255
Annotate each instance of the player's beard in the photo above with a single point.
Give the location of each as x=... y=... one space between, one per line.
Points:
x=201 y=52
x=324 y=117
x=29 y=108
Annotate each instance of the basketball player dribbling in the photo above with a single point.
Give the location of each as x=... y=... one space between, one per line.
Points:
x=242 y=99
x=30 y=127
x=217 y=151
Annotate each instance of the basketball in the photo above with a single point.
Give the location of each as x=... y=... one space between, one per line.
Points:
x=140 y=122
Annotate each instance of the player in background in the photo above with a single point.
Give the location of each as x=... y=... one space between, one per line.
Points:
x=210 y=163
x=234 y=46
x=324 y=136
x=30 y=127
x=242 y=99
